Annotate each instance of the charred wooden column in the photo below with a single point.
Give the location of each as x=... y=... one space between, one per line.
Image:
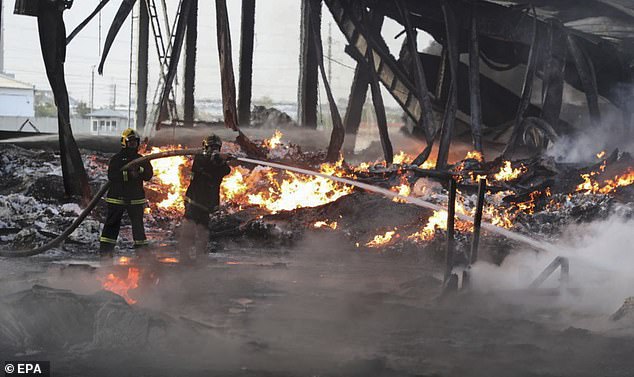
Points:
x=474 y=81
x=245 y=85
x=190 y=65
x=142 y=66
x=308 y=65
x=449 y=118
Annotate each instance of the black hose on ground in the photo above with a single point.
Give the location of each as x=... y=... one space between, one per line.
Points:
x=93 y=203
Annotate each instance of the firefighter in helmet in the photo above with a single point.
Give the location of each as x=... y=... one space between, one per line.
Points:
x=203 y=195
x=125 y=194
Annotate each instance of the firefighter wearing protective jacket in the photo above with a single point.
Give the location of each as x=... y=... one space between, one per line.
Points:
x=125 y=194
x=203 y=195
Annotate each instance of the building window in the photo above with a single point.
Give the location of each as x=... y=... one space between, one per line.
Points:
x=102 y=125
x=95 y=126
x=114 y=126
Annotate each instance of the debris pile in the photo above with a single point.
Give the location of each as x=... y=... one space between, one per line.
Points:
x=535 y=196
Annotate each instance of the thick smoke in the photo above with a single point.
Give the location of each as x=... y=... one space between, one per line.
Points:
x=585 y=144
x=601 y=256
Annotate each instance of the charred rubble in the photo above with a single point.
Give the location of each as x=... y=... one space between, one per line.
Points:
x=536 y=196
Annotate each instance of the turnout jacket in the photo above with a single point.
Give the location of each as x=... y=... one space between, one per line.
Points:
x=207 y=174
x=126 y=187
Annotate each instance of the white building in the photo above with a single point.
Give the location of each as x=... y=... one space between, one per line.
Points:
x=107 y=122
x=17 y=99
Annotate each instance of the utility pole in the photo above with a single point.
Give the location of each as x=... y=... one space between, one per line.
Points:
x=1 y=38
x=92 y=89
x=114 y=96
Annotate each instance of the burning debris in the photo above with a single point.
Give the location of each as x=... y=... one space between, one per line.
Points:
x=257 y=198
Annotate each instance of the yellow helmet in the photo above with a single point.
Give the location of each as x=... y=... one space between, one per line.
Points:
x=212 y=140
x=128 y=135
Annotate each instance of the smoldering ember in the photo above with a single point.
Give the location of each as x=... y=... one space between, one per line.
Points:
x=464 y=209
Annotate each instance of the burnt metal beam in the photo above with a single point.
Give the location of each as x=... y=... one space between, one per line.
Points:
x=426 y=121
x=227 y=80
x=179 y=37
x=338 y=132
x=85 y=22
x=308 y=67
x=474 y=80
x=527 y=90
x=122 y=13
x=245 y=84
x=395 y=80
x=553 y=77
x=477 y=221
x=189 y=83
x=142 y=66
x=451 y=215
x=449 y=118
x=52 y=35
x=587 y=75
x=552 y=267
x=358 y=91
x=379 y=110
x=356 y=100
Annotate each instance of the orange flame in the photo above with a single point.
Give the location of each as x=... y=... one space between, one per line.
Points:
x=168 y=173
x=284 y=191
x=382 y=239
x=325 y=224
x=475 y=155
x=122 y=286
x=403 y=189
x=591 y=186
x=274 y=141
x=507 y=173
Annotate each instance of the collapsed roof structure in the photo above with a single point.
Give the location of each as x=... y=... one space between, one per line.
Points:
x=586 y=46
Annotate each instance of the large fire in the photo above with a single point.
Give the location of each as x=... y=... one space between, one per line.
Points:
x=169 y=173
x=122 y=285
x=277 y=191
x=274 y=191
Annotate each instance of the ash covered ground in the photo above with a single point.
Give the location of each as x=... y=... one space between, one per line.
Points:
x=283 y=294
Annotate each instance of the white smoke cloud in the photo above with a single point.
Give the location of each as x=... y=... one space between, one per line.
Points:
x=601 y=256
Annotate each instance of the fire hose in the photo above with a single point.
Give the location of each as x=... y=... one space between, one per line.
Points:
x=188 y=152
x=92 y=204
